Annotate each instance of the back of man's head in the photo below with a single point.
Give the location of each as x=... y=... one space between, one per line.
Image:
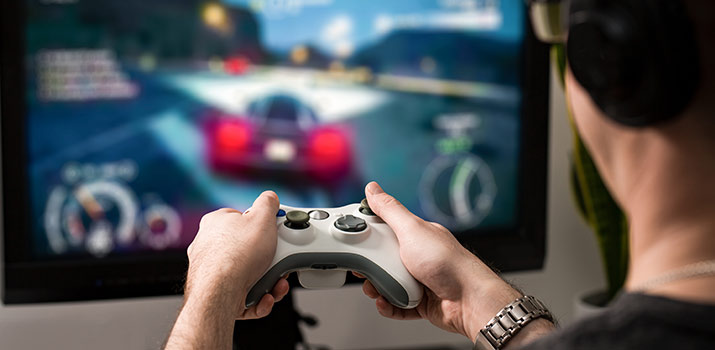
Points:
x=703 y=14
x=636 y=158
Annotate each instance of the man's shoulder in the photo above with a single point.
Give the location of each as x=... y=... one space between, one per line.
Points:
x=637 y=321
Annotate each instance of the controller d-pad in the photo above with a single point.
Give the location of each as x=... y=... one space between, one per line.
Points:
x=350 y=223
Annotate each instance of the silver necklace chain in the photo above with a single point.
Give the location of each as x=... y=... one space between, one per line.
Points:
x=698 y=269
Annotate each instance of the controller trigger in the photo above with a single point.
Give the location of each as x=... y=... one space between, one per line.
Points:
x=321 y=279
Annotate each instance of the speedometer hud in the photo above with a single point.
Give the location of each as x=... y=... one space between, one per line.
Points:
x=144 y=115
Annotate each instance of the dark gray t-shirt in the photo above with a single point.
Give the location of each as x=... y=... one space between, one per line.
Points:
x=638 y=321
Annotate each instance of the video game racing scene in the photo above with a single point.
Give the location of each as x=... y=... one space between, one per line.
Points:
x=142 y=116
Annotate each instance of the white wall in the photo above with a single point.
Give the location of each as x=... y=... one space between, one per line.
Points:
x=348 y=319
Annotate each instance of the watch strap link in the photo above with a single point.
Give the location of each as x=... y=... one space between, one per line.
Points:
x=509 y=321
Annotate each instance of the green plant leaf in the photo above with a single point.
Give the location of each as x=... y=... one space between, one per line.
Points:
x=594 y=201
x=576 y=192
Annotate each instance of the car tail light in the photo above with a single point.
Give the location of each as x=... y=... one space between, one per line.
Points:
x=233 y=136
x=329 y=150
x=236 y=65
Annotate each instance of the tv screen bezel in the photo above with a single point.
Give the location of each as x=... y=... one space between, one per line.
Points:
x=152 y=274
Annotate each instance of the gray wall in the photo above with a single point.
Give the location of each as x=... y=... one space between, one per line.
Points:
x=348 y=319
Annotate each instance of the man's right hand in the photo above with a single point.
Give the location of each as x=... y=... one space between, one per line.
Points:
x=461 y=293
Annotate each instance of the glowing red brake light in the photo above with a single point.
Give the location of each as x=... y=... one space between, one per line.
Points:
x=232 y=136
x=236 y=65
x=328 y=144
x=329 y=151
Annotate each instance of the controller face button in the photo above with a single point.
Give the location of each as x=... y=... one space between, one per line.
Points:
x=350 y=223
x=281 y=213
x=297 y=220
x=318 y=214
x=365 y=207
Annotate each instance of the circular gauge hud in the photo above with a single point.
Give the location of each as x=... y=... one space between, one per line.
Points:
x=457 y=191
x=92 y=217
x=160 y=226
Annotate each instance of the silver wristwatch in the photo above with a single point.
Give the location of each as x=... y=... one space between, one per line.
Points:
x=509 y=321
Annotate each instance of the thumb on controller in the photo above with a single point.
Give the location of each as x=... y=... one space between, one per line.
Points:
x=265 y=206
x=399 y=218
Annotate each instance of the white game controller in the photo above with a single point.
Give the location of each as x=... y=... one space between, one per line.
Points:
x=323 y=244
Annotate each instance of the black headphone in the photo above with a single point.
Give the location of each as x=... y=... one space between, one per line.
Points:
x=637 y=59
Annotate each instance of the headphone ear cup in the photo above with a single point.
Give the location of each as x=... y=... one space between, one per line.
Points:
x=605 y=61
x=636 y=58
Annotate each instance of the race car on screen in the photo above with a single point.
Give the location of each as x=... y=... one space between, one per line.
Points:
x=277 y=136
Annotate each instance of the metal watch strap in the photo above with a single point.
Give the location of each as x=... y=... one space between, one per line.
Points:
x=509 y=321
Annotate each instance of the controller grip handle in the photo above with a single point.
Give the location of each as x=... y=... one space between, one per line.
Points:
x=386 y=285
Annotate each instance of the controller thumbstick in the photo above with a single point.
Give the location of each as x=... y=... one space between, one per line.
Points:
x=365 y=207
x=297 y=220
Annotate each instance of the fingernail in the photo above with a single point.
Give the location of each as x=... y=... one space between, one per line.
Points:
x=374 y=188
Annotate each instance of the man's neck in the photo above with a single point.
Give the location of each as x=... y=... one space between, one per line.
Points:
x=671 y=207
x=671 y=253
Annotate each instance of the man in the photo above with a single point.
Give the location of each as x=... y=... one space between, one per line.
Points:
x=661 y=175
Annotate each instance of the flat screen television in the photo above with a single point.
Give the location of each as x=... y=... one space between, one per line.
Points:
x=124 y=121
